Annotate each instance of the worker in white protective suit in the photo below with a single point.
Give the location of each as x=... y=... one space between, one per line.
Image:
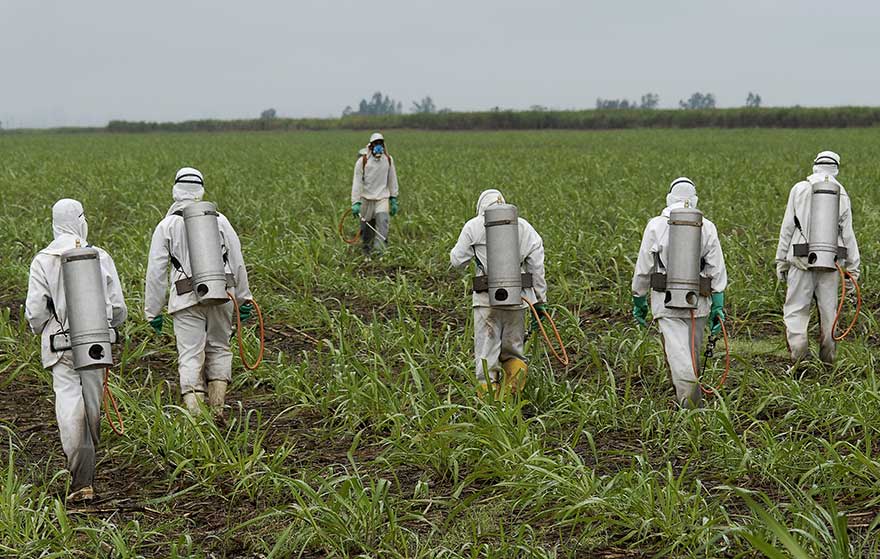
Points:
x=77 y=393
x=675 y=324
x=804 y=284
x=202 y=331
x=374 y=192
x=499 y=333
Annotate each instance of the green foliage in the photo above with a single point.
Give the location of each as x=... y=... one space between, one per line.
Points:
x=361 y=435
x=425 y=106
x=698 y=101
x=753 y=100
x=378 y=105
x=650 y=101
x=539 y=118
x=614 y=104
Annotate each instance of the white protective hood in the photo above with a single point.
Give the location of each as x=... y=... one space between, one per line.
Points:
x=489 y=198
x=682 y=193
x=69 y=227
x=189 y=186
x=827 y=163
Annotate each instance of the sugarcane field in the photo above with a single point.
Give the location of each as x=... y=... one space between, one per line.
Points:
x=647 y=329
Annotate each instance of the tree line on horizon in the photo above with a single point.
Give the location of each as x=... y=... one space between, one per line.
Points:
x=380 y=104
x=744 y=117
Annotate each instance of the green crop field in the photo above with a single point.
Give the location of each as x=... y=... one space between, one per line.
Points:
x=361 y=435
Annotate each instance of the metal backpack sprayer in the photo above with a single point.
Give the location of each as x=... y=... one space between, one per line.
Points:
x=504 y=281
x=209 y=280
x=682 y=283
x=89 y=335
x=822 y=252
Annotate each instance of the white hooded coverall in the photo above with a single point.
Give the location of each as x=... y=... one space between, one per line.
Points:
x=202 y=332
x=77 y=393
x=499 y=334
x=675 y=324
x=374 y=182
x=803 y=284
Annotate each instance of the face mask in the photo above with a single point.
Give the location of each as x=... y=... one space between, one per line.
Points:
x=378 y=149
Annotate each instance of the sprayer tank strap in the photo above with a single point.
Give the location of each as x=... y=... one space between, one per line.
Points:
x=184 y=286
x=802 y=250
x=61 y=340
x=658 y=283
x=481 y=283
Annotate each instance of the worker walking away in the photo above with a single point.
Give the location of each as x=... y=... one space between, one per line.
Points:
x=206 y=269
x=509 y=259
x=815 y=239
x=374 y=192
x=681 y=263
x=77 y=386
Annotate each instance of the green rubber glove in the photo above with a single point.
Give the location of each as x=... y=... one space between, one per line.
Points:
x=640 y=309
x=541 y=309
x=716 y=315
x=395 y=207
x=246 y=311
x=356 y=209
x=156 y=324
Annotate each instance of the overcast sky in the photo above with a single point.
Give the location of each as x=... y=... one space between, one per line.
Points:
x=85 y=62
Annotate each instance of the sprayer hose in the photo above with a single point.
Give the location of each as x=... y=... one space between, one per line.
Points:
x=721 y=382
x=109 y=401
x=561 y=358
x=348 y=240
x=244 y=362
x=843 y=276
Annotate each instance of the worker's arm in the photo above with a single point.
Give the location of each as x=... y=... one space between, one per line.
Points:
x=157 y=274
x=357 y=181
x=786 y=231
x=641 y=281
x=36 y=306
x=236 y=264
x=114 y=291
x=853 y=257
x=534 y=264
x=715 y=268
x=462 y=253
x=392 y=178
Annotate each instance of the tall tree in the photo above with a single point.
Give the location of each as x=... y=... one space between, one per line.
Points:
x=377 y=105
x=425 y=106
x=753 y=101
x=650 y=101
x=611 y=104
x=698 y=101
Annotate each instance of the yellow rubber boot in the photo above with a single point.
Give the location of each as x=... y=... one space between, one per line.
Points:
x=488 y=390
x=514 y=375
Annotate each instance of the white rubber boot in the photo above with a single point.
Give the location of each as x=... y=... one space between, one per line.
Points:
x=193 y=402
x=217 y=396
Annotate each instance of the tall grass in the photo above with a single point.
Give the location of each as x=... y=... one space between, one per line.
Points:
x=361 y=435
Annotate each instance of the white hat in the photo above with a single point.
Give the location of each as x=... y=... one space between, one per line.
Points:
x=190 y=176
x=376 y=137
x=682 y=191
x=188 y=185
x=827 y=158
x=489 y=198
